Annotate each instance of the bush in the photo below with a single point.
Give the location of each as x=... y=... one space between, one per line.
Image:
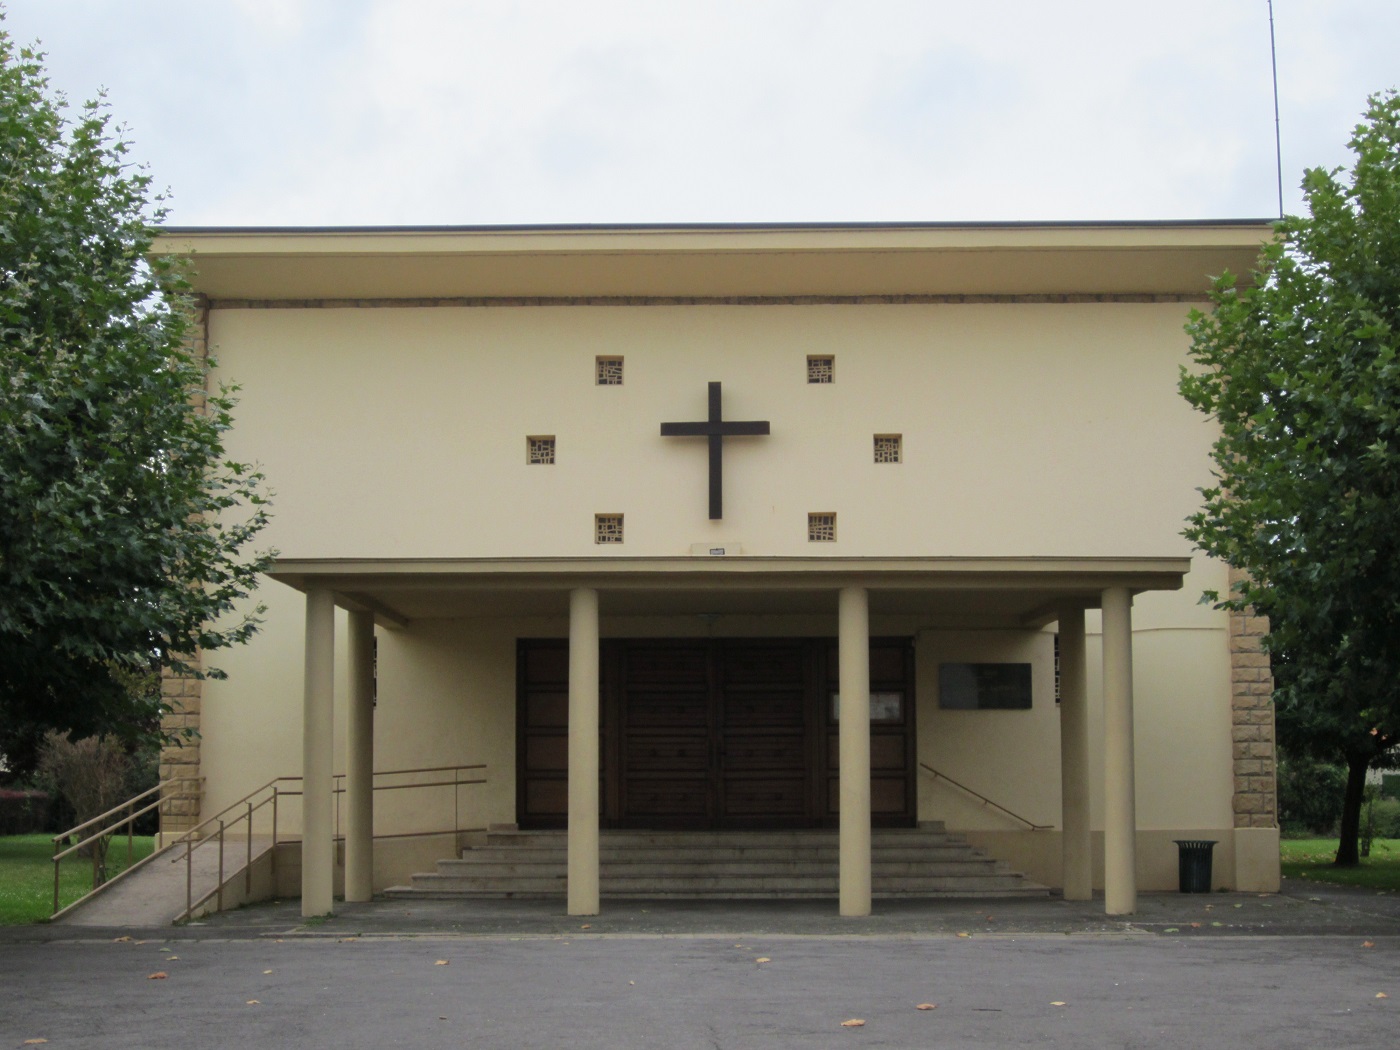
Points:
x=1383 y=817
x=23 y=812
x=1310 y=796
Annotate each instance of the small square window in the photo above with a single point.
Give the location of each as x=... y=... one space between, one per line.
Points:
x=821 y=368
x=539 y=450
x=889 y=448
x=607 y=528
x=609 y=371
x=821 y=528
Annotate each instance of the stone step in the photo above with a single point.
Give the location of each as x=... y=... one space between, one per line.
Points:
x=653 y=866
x=611 y=853
x=883 y=838
x=783 y=885
x=908 y=862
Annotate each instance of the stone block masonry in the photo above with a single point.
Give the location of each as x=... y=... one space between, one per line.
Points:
x=1252 y=718
x=179 y=756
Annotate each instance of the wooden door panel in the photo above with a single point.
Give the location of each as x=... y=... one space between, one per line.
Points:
x=711 y=732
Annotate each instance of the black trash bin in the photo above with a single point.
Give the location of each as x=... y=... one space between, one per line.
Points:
x=1193 y=864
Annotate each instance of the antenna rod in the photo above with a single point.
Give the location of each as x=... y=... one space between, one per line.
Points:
x=1278 y=140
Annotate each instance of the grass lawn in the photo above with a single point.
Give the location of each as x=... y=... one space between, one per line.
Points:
x=26 y=875
x=1312 y=859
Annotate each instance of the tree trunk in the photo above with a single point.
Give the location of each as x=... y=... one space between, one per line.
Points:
x=1348 y=852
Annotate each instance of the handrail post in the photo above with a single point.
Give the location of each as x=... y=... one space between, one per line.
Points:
x=189 y=877
x=57 y=863
x=456 y=816
x=130 y=832
x=273 y=863
x=221 y=866
x=248 y=867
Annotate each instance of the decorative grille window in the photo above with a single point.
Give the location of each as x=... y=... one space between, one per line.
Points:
x=821 y=528
x=889 y=448
x=821 y=368
x=607 y=528
x=609 y=371
x=539 y=450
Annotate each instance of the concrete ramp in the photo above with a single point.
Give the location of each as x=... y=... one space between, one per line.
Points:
x=155 y=894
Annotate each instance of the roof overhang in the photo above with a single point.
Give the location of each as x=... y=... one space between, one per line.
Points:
x=715 y=261
x=1012 y=592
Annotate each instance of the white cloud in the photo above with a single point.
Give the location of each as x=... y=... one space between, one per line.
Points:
x=309 y=111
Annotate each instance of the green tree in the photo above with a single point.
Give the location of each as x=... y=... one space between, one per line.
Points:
x=1300 y=369
x=123 y=527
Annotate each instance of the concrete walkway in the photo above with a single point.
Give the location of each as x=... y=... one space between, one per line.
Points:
x=1303 y=909
x=156 y=894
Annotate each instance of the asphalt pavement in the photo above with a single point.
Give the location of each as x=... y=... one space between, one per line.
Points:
x=1316 y=965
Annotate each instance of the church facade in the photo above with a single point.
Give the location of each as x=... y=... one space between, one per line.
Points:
x=736 y=527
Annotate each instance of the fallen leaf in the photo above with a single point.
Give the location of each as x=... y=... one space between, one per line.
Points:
x=1217 y=924
x=1239 y=905
x=441 y=962
x=1368 y=944
x=631 y=982
x=265 y=972
x=1382 y=995
x=442 y=1017
x=172 y=958
x=159 y=975
x=33 y=1042
x=1171 y=929
x=254 y=1002
x=1057 y=1003
x=167 y=949
x=964 y=934
x=763 y=959
x=1195 y=926
x=118 y=940
x=854 y=1022
x=586 y=926
x=348 y=940
x=141 y=942
x=927 y=1006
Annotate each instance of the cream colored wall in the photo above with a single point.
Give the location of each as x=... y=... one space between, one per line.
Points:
x=447 y=692
x=1029 y=429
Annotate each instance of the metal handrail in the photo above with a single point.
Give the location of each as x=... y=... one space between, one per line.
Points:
x=106 y=831
x=193 y=841
x=985 y=800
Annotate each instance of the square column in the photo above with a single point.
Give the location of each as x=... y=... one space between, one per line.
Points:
x=318 y=799
x=854 y=750
x=583 y=753
x=359 y=761
x=1120 y=803
x=1077 y=857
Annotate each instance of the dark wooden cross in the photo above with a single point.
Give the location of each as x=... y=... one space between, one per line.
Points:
x=716 y=429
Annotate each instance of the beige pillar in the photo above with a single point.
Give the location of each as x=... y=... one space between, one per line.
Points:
x=854 y=645
x=318 y=801
x=1077 y=856
x=583 y=752
x=1120 y=810
x=359 y=762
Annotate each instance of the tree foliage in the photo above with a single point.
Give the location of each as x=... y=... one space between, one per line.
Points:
x=1301 y=369
x=123 y=528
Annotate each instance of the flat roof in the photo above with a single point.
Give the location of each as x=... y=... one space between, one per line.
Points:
x=716 y=260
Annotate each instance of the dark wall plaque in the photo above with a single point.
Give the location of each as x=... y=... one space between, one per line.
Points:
x=984 y=687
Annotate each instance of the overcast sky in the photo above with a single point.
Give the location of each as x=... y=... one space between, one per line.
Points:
x=315 y=112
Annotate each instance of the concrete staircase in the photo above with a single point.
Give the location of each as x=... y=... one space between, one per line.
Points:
x=907 y=862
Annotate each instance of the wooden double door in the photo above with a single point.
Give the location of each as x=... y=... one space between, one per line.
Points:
x=714 y=733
